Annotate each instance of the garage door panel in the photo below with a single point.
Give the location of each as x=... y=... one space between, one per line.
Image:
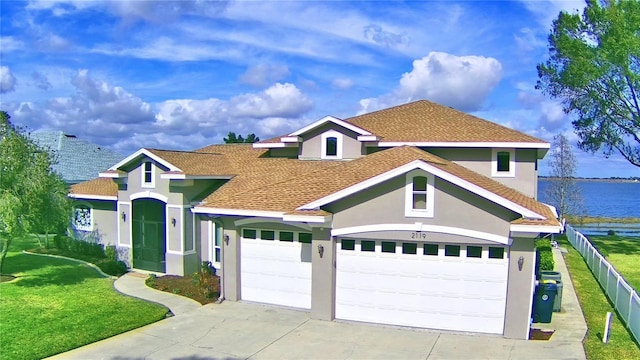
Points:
x=275 y=272
x=451 y=293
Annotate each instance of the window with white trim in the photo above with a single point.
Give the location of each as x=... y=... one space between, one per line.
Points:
x=331 y=145
x=83 y=218
x=503 y=163
x=148 y=174
x=419 y=194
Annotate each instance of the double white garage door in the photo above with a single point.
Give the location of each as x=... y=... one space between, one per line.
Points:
x=449 y=287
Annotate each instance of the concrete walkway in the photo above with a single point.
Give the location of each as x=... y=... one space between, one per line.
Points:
x=237 y=330
x=133 y=284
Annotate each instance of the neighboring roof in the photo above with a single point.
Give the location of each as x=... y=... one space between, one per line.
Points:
x=96 y=189
x=77 y=160
x=290 y=194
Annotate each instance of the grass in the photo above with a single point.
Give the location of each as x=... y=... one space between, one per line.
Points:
x=595 y=305
x=56 y=305
x=623 y=252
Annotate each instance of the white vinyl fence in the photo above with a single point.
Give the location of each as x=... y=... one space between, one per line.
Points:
x=625 y=298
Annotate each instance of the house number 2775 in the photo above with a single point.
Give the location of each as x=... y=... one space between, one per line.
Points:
x=418 y=235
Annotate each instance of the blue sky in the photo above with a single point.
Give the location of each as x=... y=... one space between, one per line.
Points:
x=182 y=74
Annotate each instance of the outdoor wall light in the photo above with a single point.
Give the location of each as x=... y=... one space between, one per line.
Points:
x=226 y=239
x=124 y=216
x=173 y=222
x=320 y=250
x=520 y=263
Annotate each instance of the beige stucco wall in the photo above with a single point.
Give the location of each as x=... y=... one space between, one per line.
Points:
x=479 y=160
x=104 y=223
x=311 y=147
x=453 y=207
x=181 y=255
x=323 y=275
x=520 y=289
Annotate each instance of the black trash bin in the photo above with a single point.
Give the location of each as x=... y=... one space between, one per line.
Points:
x=543 y=300
x=554 y=275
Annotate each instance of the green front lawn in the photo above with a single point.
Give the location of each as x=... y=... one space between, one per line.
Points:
x=623 y=253
x=595 y=305
x=57 y=305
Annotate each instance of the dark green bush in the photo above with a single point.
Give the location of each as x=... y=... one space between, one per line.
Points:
x=68 y=244
x=545 y=254
x=611 y=233
x=112 y=267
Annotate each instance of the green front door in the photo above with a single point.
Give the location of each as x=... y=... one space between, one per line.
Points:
x=149 y=235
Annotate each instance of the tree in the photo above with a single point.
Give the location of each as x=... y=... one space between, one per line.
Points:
x=594 y=69
x=563 y=192
x=32 y=197
x=232 y=138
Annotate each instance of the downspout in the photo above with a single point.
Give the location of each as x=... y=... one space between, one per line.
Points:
x=222 y=276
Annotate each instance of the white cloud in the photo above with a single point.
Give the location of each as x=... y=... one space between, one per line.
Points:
x=342 y=83
x=462 y=82
x=264 y=74
x=40 y=80
x=53 y=42
x=380 y=36
x=551 y=114
x=528 y=40
x=9 y=44
x=7 y=80
x=547 y=11
x=168 y=49
x=280 y=100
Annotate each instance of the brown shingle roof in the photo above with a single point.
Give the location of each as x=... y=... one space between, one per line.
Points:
x=196 y=163
x=99 y=186
x=299 y=186
x=425 y=121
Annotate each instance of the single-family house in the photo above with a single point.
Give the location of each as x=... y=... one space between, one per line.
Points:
x=416 y=215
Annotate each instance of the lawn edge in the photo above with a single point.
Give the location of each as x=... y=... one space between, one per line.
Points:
x=91 y=265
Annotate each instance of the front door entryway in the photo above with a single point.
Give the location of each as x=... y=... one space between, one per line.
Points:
x=149 y=235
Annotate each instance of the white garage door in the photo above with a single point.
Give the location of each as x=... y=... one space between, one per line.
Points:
x=449 y=287
x=275 y=267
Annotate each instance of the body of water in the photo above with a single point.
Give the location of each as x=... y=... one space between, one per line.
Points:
x=612 y=199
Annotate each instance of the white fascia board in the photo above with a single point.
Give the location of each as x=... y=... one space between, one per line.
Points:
x=113 y=175
x=291 y=139
x=92 y=197
x=519 y=145
x=418 y=164
x=236 y=212
x=268 y=145
x=368 y=138
x=167 y=176
x=308 y=219
x=148 y=154
x=546 y=229
x=334 y=120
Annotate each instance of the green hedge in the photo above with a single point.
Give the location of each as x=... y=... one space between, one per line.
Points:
x=545 y=254
x=103 y=257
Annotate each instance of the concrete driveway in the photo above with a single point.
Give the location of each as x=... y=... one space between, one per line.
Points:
x=236 y=330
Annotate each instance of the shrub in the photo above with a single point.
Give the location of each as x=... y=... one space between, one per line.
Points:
x=111 y=253
x=112 y=267
x=545 y=254
x=611 y=233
